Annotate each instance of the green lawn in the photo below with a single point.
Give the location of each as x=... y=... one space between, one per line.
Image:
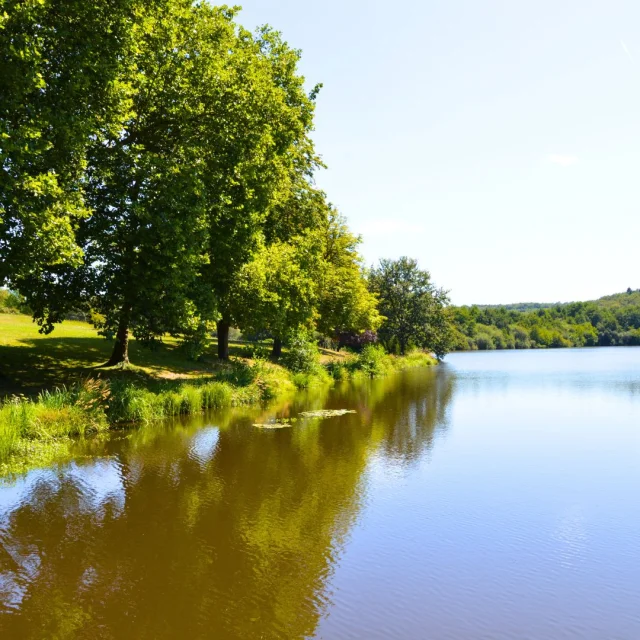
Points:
x=30 y=361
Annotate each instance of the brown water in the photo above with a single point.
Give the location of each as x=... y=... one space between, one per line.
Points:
x=495 y=497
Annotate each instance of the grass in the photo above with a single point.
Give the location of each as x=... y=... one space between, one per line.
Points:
x=30 y=361
x=54 y=391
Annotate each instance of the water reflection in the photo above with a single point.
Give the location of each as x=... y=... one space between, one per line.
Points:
x=208 y=528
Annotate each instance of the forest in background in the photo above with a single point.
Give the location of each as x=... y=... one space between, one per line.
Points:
x=609 y=321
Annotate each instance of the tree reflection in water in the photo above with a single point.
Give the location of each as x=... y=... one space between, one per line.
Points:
x=191 y=530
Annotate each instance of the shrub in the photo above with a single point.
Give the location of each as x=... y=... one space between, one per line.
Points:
x=237 y=373
x=356 y=341
x=11 y=302
x=484 y=341
x=256 y=350
x=373 y=361
x=521 y=337
x=338 y=369
x=302 y=355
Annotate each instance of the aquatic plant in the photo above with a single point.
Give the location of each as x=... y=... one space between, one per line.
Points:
x=326 y=413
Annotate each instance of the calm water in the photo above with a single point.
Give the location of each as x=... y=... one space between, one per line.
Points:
x=496 y=497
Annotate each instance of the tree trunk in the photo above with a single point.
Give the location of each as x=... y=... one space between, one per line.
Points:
x=120 y=353
x=223 y=340
x=277 y=348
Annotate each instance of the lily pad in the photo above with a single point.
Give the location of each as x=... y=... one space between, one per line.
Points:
x=326 y=413
x=272 y=425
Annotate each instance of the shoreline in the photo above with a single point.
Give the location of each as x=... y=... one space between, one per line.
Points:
x=38 y=432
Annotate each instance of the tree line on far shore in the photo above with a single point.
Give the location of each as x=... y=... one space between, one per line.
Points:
x=157 y=174
x=610 y=321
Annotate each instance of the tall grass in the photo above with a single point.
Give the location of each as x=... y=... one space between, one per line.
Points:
x=373 y=362
x=94 y=405
x=131 y=403
x=53 y=415
x=34 y=430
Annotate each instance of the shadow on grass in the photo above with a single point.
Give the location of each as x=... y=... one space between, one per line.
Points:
x=44 y=362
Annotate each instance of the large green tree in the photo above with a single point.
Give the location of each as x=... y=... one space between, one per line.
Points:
x=309 y=276
x=183 y=137
x=413 y=307
x=345 y=303
x=150 y=184
x=59 y=80
x=264 y=157
x=277 y=291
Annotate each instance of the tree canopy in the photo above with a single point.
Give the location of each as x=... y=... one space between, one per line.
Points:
x=413 y=307
x=157 y=172
x=59 y=82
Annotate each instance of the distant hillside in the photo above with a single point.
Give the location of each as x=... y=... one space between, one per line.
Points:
x=609 y=321
x=520 y=306
x=628 y=298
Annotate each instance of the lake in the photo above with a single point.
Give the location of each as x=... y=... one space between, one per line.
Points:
x=495 y=496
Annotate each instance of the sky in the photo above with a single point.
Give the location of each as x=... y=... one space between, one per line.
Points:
x=498 y=142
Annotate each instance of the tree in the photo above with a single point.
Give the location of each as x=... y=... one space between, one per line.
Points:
x=149 y=184
x=171 y=181
x=345 y=303
x=414 y=309
x=265 y=151
x=59 y=68
x=309 y=277
x=277 y=290
x=145 y=183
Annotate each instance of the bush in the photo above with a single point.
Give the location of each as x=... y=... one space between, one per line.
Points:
x=484 y=341
x=338 y=369
x=373 y=360
x=356 y=341
x=302 y=355
x=237 y=373
x=256 y=351
x=521 y=337
x=11 y=302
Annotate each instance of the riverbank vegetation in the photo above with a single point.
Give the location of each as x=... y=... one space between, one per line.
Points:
x=157 y=200
x=41 y=416
x=610 y=321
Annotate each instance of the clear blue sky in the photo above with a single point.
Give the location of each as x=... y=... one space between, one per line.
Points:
x=496 y=141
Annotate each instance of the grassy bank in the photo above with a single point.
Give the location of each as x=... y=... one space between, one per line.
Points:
x=37 y=428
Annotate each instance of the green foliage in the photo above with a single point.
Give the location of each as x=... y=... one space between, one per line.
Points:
x=345 y=303
x=183 y=131
x=372 y=361
x=157 y=179
x=609 y=321
x=38 y=431
x=54 y=415
x=413 y=308
x=276 y=291
x=11 y=302
x=60 y=82
x=302 y=355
